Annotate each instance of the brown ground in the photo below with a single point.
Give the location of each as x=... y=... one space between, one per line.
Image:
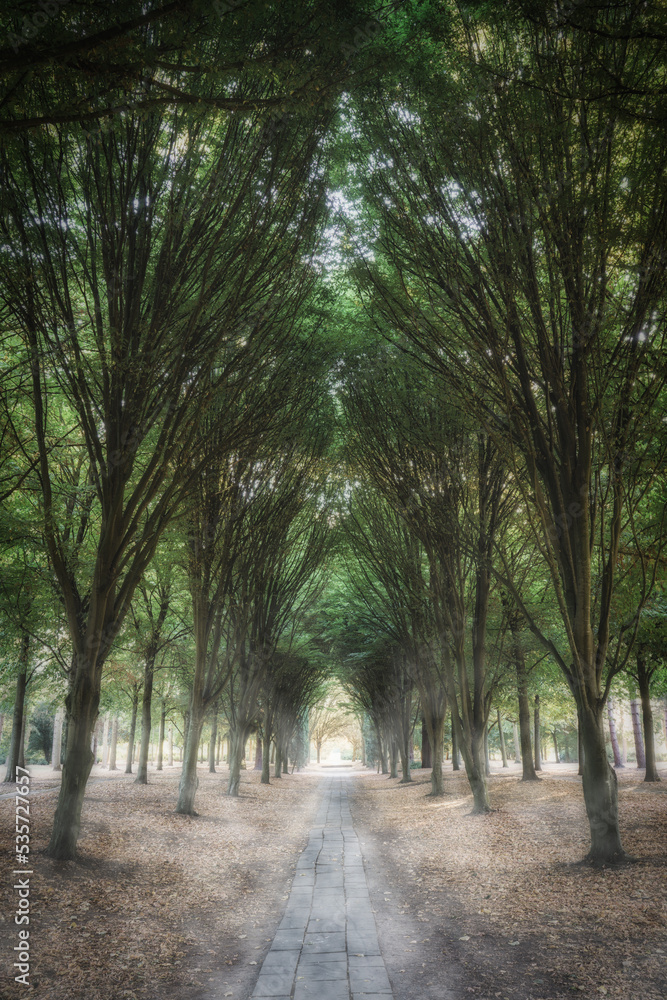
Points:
x=496 y=906
x=162 y=905
x=481 y=907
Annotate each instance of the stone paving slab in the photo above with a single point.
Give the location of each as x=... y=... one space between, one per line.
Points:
x=296 y=918
x=288 y=940
x=323 y=970
x=322 y=990
x=366 y=962
x=326 y=947
x=281 y=961
x=273 y=986
x=331 y=956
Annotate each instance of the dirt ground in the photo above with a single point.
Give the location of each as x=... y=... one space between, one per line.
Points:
x=161 y=905
x=486 y=907
x=497 y=906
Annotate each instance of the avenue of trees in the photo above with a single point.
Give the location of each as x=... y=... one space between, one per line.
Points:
x=333 y=373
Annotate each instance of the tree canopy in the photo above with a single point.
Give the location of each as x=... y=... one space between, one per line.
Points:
x=333 y=360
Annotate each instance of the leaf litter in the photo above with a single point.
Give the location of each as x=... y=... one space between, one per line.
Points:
x=159 y=904
x=508 y=908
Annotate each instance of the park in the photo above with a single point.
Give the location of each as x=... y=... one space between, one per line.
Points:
x=333 y=467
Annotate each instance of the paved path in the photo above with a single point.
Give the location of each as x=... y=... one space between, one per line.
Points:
x=326 y=946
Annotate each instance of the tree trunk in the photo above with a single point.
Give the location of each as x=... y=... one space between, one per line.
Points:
x=536 y=734
x=405 y=760
x=160 y=736
x=406 y=774
x=235 y=756
x=22 y=742
x=259 y=755
x=580 y=750
x=278 y=770
x=644 y=681
x=213 y=741
x=393 y=760
x=384 y=767
x=456 y=762
x=266 y=760
x=133 y=729
x=170 y=746
x=566 y=748
x=19 y=705
x=437 y=750
x=113 y=744
x=528 y=767
x=613 y=735
x=82 y=705
x=285 y=760
x=637 y=733
x=556 y=751
x=105 y=739
x=503 y=749
x=487 y=761
x=187 y=788
x=318 y=747
x=186 y=729
x=427 y=754
x=146 y=721
x=600 y=791
x=56 y=746
x=475 y=769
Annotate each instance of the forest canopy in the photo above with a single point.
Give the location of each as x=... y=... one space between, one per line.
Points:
x=333 y=383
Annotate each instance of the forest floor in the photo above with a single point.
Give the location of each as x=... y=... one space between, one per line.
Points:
x=162 y=905
x=497 y=906
x=159 y=905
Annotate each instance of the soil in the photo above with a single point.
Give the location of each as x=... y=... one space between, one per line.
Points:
x=500 y=905
x=467 y=906
x=158 y=904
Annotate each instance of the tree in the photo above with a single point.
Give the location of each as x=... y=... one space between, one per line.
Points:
x=649 y=660
x=328 y=719
x=528 y=265
x=130 y=317
x=91 y=63
x=290 y=686
x=448 y=485
x=154 y=600
x=276 y=581
x=392 y=587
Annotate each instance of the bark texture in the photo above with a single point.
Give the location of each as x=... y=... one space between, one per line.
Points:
x=635 y=709
x=613 y=735
x=644 y=681
x=13 y=756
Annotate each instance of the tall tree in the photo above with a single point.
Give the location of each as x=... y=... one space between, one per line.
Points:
x=68 y=61
x=140 y=286
x=528 y=264
x=448 y=485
